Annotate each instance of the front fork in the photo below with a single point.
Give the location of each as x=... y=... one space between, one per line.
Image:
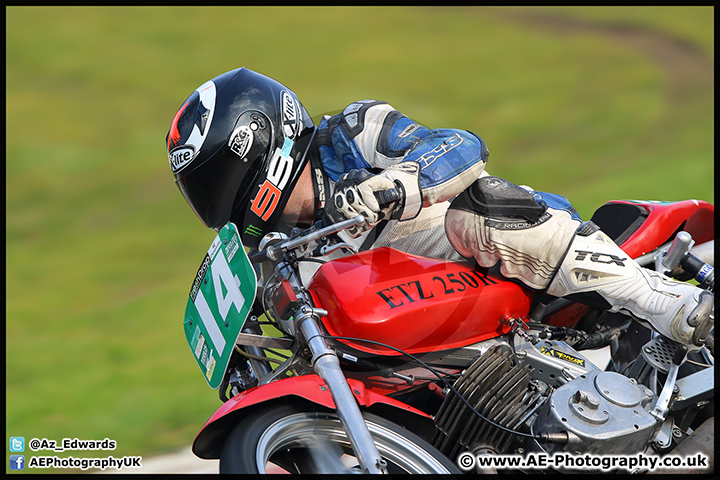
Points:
x=326 y=364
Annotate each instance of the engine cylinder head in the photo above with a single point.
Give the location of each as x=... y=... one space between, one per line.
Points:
x=497 y=388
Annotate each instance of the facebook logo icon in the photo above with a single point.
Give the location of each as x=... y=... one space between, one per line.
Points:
x=17 y=462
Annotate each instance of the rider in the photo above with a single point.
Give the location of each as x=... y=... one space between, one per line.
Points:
x=242 y=148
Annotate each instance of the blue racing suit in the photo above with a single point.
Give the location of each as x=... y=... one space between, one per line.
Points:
x=372 y=135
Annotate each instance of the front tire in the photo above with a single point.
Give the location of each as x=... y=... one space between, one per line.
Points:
x=283 y=438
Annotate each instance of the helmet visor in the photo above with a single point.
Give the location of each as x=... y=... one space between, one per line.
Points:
x=213 y=200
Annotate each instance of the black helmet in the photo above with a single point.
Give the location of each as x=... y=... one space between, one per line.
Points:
x=236 y=147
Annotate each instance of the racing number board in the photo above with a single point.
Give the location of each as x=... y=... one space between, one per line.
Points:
x=220 y=300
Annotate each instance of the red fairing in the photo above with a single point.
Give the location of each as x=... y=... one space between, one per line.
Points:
x=413 y=303
x=664 y=219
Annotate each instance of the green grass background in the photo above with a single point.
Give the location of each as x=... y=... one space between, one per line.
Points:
x=101 y=247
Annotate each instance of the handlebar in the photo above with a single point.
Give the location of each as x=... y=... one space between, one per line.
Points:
x=701 y=271
x=323 y=228
x=678 y=255
x=386 y=198
x=313 y=233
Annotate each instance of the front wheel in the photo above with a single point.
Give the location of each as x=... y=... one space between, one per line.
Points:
x=282 y=438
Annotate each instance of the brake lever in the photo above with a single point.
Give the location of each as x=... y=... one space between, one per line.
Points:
x=273 y=252
x=328 y=249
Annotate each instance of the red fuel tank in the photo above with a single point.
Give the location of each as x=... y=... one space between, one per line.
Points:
x=413 y=303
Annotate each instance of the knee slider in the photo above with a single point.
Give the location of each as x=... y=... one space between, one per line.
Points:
x=494 y=197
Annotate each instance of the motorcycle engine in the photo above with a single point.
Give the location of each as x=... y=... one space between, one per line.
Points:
x=545 y=387
x=601 y=412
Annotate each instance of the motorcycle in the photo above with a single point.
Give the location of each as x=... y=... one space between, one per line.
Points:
x=389 y=362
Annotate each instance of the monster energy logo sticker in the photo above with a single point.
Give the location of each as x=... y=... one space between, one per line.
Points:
x=253 y=230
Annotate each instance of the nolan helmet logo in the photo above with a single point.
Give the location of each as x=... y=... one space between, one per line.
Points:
x=181 y=156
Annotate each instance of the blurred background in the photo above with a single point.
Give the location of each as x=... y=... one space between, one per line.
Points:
x=594 y=103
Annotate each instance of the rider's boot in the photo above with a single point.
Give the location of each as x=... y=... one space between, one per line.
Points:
x=594 y=263
x=540 y=240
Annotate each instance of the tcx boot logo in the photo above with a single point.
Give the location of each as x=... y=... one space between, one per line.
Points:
x=595 y=257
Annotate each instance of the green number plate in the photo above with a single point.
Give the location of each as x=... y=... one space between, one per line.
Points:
x=220 y=300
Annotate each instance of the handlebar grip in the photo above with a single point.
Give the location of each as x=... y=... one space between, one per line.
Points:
x=701 y=271
x=386 y=198
x=259 y=257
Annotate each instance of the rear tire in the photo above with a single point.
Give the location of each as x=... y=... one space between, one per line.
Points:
x=283 y=438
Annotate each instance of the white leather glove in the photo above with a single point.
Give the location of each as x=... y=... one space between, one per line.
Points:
x=358 y=191
x=355 y=194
